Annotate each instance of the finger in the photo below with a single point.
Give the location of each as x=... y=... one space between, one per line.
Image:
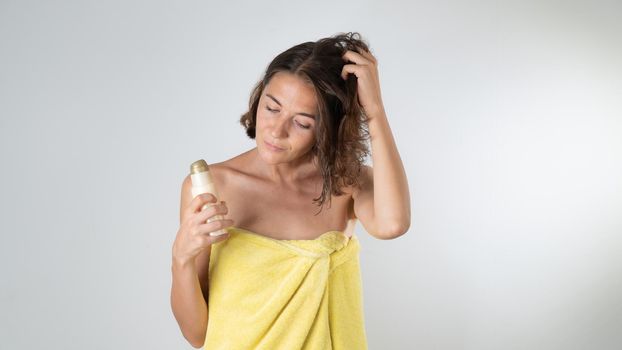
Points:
x=350 y=68
x=217 y=238
x=355 y=57
x=200 y=200
x=213 y=226
x=211 y=211
x=369 y=56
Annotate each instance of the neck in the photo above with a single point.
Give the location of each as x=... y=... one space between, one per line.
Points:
x=288 y=174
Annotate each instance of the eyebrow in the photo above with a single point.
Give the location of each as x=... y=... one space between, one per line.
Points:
x=301 y=113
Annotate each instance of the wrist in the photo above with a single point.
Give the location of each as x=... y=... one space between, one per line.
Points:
x=182 y=263
x=375 y=111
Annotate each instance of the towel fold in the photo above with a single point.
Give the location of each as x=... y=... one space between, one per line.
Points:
x=267 y=293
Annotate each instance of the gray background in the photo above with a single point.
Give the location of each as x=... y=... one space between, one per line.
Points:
x=507 y=115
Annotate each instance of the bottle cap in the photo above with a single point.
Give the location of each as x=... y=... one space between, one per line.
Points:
x=198 y=166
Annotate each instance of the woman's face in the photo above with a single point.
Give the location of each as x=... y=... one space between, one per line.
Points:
x=286 y=118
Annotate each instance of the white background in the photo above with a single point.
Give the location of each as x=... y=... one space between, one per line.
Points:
x=507 y=116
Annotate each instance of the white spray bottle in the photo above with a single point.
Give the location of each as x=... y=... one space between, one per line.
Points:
x=202 y=183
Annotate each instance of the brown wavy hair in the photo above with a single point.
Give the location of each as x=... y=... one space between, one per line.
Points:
x=342 y=134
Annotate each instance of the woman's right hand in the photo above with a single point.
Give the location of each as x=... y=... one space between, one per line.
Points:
x=193 y=234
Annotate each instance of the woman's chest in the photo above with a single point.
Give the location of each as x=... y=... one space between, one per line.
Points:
x=283 y=214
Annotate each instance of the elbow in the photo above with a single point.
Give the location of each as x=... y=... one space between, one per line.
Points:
x=196 y=343
x=195 y=339
x=394 y=231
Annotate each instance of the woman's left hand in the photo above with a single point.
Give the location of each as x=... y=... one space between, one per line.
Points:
x=365 y=68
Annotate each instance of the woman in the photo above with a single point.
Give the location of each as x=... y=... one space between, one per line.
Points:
x=286 y=275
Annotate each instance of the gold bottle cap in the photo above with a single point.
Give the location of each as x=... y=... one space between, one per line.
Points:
x=198 y=166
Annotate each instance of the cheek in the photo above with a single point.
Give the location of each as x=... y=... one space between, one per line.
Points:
x=260 y=120
x=309 y=140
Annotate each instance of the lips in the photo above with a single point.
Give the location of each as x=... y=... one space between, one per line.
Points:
x=273 y=147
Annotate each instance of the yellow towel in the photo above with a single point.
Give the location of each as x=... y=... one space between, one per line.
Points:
x=266 y=293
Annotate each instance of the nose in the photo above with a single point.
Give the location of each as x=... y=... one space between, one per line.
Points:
x=279 y=128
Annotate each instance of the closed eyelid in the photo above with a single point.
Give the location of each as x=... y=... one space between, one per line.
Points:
x=274 y=109
x=308 y=115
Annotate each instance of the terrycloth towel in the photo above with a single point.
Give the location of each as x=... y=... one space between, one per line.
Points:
x=271 y=294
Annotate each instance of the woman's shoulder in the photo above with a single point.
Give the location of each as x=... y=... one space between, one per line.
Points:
x=230 y=169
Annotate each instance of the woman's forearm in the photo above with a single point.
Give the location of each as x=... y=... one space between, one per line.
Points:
x=391 y=192
x=188 y=303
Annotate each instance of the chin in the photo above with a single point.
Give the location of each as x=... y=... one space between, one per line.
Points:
x=269 y=156
x=272 y=160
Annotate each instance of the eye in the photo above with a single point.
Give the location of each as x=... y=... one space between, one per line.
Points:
x=304 y=126
x=270 y=109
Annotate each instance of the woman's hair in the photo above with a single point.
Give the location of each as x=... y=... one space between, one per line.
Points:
x=341 y=128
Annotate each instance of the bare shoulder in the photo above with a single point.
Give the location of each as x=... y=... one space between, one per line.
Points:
x=221 y=172
x=226 y=170
x=228 y=174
